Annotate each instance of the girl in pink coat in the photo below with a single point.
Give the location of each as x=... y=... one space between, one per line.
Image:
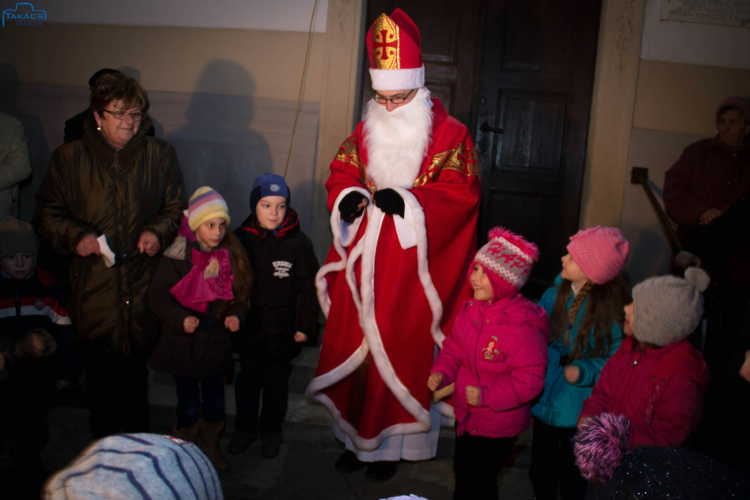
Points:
x=657 y=378
x=496 y=357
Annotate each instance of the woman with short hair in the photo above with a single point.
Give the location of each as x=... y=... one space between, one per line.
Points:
x=112 y=201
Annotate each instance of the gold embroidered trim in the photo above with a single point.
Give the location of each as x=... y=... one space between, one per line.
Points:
x=462 y=159
x=349 y=153
x=386 y=46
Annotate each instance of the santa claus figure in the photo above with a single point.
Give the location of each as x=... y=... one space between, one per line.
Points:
x=404 y=198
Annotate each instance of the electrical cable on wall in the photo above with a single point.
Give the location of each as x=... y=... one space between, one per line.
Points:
x=301 y=86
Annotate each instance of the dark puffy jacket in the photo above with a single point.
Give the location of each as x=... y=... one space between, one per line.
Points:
x=284 y=298
x=207 y=351
x=90 y=188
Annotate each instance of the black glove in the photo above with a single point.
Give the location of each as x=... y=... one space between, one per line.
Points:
x=349 y=206
x=389 y=201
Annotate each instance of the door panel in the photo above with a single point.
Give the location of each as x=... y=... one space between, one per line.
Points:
x=532 y=116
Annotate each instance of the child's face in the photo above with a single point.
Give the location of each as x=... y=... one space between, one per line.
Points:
x=19 y=265
x=627 y=328
x=481 y=283
x=571 y=271
x=210 y=233
x=271 y=211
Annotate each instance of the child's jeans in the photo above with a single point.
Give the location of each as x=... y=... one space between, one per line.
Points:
x=273 y=380
x=477 y=461
x=199 y=399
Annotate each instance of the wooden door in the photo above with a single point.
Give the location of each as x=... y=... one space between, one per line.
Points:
x=533 y=111
x=519 y=74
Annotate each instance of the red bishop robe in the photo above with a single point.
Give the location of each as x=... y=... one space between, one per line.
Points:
x=387 y=307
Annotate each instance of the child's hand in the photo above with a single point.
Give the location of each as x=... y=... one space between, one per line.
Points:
x=581 y=421
x=745 y=370
x=300 y=337
x=434 y=381
x=42 y=343
x=572 y=373
x=473 y=395
x=190 y=323
x=232 y=323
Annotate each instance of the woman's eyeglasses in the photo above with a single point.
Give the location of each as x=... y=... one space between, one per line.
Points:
x=121 y=115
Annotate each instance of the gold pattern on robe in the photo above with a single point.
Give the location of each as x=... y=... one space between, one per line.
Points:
x=349 y=153
x=386 y=49
x=212 y=269
x=461 y=159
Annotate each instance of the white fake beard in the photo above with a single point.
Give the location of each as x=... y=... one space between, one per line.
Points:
x=397 y=142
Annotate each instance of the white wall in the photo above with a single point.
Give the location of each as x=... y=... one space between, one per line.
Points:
x=692 y=43
x=277 y=15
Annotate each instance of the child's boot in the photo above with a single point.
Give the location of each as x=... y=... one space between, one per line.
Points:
x=210 y=435
x=187 y=433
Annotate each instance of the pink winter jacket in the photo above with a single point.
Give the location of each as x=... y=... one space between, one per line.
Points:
x=661 y=391
x=502 y=349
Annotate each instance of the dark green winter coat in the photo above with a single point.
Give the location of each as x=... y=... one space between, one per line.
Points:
x=90 y=188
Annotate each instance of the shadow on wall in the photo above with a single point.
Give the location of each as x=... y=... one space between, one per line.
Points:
x=217 y=147
x=39 y=149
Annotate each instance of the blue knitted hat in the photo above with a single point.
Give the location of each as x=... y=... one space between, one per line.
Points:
x=137 y=466
x=268 y=185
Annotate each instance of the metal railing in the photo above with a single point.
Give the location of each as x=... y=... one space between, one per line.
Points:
x=639 y=175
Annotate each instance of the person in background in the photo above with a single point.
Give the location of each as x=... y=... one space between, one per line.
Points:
x=15 y=164
x=283 y=313
x=585 y=309
x=112 y=202
x=496 y=356
x=201 y=291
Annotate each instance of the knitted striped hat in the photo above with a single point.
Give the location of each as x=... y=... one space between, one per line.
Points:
x=600 y=252
x=137 y=466
x=206 y=204
x=507 y=258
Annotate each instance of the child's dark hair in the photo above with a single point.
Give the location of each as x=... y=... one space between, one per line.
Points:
x=605 y=306
x=242 y=272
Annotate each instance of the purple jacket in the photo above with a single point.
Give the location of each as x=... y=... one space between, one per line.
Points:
x=502 y=349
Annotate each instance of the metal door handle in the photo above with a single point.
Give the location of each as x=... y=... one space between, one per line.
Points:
x=485 y=127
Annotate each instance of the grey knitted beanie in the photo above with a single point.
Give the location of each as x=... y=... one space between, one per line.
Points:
x=668 y=308
x=137 y=466
x=17 y=236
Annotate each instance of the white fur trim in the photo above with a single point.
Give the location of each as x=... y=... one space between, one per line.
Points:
x=407 y=235
x=397 y=79
x=362 y=443
x=338 y=373
x=370 y=325
x=433 y=298
x=320 y=282
x=444 y=408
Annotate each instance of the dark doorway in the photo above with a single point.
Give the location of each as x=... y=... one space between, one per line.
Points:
x=519 y=74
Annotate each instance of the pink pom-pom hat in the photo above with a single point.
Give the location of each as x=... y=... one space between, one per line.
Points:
x=600 y=252
x=507 y=259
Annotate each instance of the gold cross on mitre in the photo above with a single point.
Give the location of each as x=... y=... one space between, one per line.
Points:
x=385 y=44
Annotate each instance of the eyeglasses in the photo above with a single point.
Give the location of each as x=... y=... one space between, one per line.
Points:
x=121 y=115
x=380 y=99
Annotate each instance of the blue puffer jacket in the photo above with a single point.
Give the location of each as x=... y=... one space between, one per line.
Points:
x=561 y=402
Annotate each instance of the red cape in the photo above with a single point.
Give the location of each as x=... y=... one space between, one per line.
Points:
x=396 y=303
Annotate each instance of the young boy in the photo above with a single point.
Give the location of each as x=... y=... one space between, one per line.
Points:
x=33 y=326
x=33 y=319
x=283 y=313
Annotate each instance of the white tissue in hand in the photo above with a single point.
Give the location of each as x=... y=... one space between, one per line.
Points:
x=107 y=254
